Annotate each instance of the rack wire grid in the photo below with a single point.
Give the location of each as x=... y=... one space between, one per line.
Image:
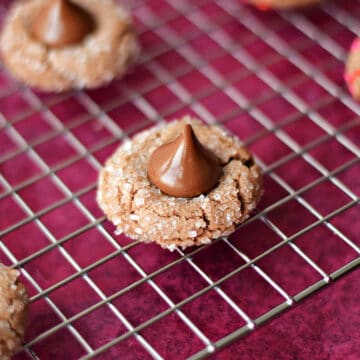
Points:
x=275 y=79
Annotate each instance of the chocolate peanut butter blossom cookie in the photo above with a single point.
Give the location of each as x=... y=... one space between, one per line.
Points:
x=57 y=45
x=179 y=184
x=281 y=4
x=13 y=312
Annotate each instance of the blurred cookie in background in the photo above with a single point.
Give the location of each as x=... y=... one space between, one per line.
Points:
x=352 y=69
x=281 y=4
x=61 y=45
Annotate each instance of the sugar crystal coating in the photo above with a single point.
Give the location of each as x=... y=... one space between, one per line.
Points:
x=13 y=312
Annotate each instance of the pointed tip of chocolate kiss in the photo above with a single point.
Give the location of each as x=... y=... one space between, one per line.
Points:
x=184 y=167
x=61 y=23
x=188 y=130
x=188 y=137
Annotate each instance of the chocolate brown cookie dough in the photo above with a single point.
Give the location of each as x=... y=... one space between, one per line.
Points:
x=281 y=4
x=13 y=312
x=100 y=51
x=138 y=208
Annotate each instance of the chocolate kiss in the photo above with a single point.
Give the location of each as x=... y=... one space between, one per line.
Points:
x=61 y=22
x=184 y=167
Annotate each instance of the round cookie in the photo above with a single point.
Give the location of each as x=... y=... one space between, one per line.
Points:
x=13 y=311
x=352 y=69
x=99 y=58
x=281 y=4
x=141 y=211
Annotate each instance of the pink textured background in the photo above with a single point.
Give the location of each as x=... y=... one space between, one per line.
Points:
x=326 y=326
x=73 y=133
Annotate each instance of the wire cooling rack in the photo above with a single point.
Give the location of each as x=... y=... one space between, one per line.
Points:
x=274 y=80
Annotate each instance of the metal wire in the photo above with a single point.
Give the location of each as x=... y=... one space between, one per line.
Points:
x=181 y=45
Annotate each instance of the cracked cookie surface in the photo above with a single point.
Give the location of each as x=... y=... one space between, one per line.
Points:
x=102 y=56
x=141 y=211
x=13 y=311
